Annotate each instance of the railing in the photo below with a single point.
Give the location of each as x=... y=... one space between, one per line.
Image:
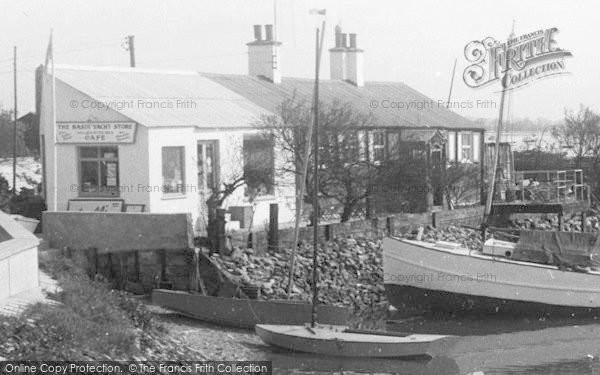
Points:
x=543 y=186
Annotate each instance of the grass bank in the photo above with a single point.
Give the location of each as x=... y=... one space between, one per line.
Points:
x=90 y=322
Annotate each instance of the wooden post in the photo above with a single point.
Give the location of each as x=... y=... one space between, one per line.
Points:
x=220 y=236
x=390 y=225
x=583 y=220
x=138 y=271
x=560 y=221
x=428 y=183
x=111 y=272
x=273 y=226
x=95 y=262
x=163 y=265
x=122 y=274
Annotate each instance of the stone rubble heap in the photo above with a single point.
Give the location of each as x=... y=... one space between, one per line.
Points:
x=470 y=238
x=350 y=272
x=550 y=222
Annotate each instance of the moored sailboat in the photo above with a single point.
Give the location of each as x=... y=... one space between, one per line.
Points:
x=339 y=340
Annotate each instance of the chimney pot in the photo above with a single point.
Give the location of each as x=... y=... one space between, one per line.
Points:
x=353 y=41
x=344 y=40
x=269 y=32
x=257 y=32
x=338 y=36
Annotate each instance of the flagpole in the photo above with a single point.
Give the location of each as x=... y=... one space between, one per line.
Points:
x=55 y=153
x=14 y=188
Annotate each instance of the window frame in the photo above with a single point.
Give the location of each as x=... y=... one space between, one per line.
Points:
x=179 y=192
x=99 y=191
x=464 y=147
x=379 y=147
x=216 y=166
x=258 y=138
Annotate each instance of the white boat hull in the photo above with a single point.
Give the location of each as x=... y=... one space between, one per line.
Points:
x=420 y=275
x=333 y=341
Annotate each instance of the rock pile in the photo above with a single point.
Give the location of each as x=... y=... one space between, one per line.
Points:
x=550 y=222
x=469 y=238
x=350 y=272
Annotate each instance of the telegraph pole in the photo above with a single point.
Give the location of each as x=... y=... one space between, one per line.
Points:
x=14 y=189
x=131 y=45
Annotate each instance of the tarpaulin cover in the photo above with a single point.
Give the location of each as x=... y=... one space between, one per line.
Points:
x=565 y=249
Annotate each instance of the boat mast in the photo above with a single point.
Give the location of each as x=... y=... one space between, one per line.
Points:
x=315 y=289
x=451 y=84
x=492 y=179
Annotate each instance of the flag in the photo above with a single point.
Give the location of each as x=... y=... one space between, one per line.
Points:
x=320 y=12
x=49 y=54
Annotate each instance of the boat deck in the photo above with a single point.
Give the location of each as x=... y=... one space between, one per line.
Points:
x=478 y=254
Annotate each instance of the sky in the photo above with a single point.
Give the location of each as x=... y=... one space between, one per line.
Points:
x=415 y=42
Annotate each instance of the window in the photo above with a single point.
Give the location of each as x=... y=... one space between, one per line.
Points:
x=173 y=170
x=99 y=171
x=259 y=165
x=378 y=146
x=349 y=143
x=208 y=166
x=466 y=147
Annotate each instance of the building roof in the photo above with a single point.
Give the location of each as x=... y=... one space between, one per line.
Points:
x=372 y=98
x=163 y=98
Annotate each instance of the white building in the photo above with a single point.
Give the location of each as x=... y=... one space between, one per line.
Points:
x=131 y=139
x=161 y=139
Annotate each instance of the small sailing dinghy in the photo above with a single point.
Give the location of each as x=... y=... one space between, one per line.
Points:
x=340 y=340
x=345 y=342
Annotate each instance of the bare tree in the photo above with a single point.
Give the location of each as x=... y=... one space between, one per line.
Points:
x=461 y=181
x=254 y=175
x=580 y=132
x=345 y=171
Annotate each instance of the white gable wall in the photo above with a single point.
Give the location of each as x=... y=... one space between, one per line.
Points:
x=133 y=158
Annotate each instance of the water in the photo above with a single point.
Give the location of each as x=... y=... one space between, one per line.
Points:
x=485 y=346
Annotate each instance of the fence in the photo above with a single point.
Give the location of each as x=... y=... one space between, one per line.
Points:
x=545 y=186
x=369 y=228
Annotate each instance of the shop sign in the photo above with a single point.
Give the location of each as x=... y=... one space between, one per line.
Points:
x=95 y=132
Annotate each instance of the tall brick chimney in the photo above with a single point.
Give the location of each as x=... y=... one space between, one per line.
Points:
x=346 y=60
x=337 y=56
x=354 y=63
x=264 y=55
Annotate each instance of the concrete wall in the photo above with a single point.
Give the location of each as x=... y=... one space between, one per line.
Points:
x=471 y=216
x=18 y=258
x=112 y=232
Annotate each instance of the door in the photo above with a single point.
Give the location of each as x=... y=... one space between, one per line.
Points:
x=437 y=170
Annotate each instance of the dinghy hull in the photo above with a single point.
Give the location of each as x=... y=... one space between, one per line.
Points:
x=245 y=313
x=333 y=341
x=416 y=274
